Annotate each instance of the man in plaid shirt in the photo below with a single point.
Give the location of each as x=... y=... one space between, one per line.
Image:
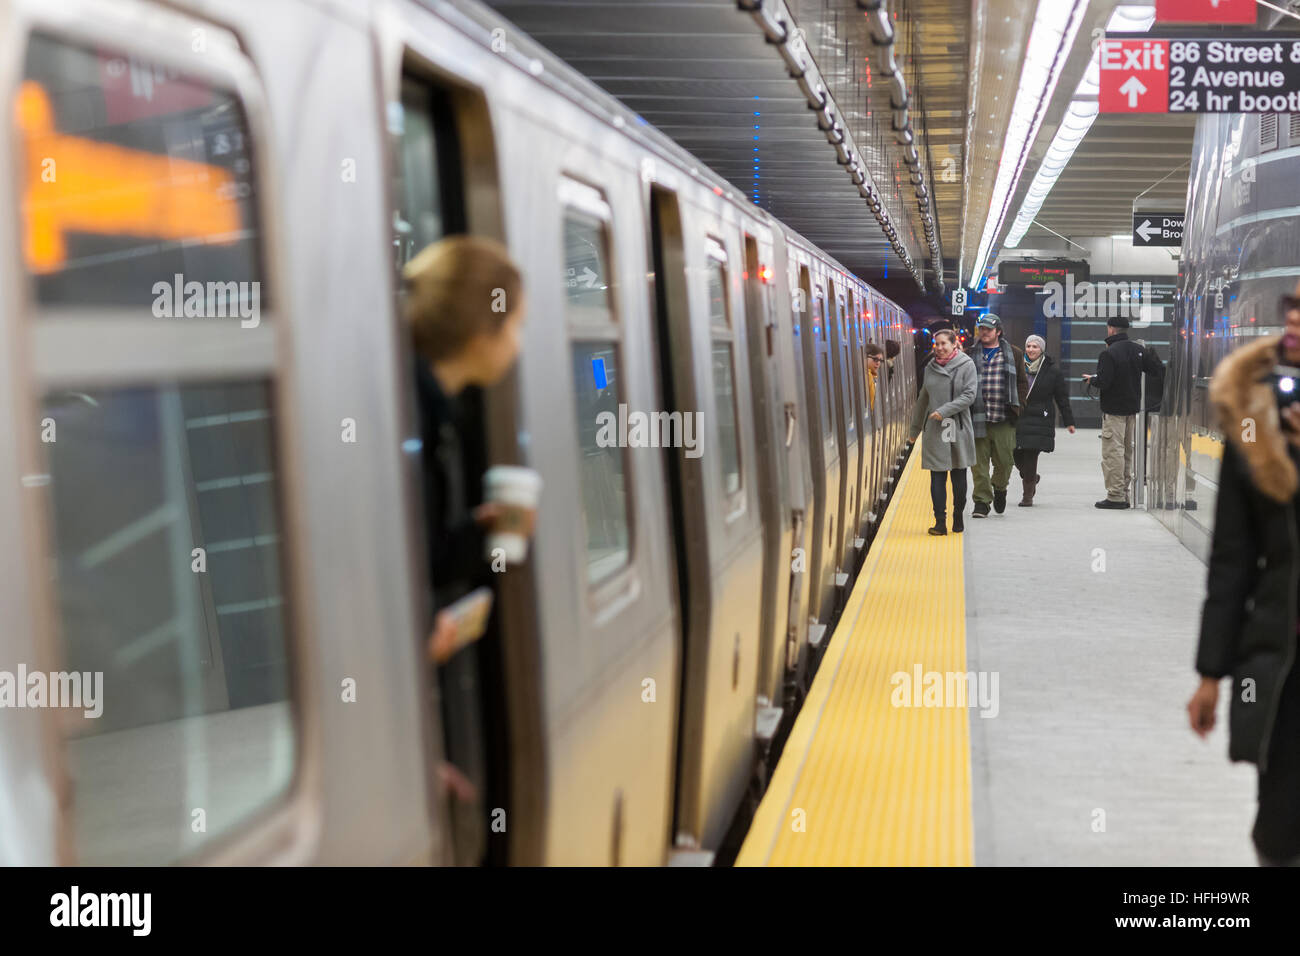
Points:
x=1003 y=389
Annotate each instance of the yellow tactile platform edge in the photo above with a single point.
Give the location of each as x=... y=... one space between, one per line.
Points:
x=862 y=782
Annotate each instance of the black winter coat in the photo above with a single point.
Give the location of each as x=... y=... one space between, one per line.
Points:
x=1036 y=427
x=1119 y=374
x=1248 y=622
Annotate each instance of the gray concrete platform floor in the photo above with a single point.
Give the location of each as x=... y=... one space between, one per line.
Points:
x=1090 y=619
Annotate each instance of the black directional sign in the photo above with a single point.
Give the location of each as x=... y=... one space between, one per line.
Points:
x=1147 y=74
x=1157 y=228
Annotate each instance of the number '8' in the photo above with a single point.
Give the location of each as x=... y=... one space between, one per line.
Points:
x=1295 y=52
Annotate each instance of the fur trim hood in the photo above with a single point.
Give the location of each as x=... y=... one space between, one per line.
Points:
x=1238 y=394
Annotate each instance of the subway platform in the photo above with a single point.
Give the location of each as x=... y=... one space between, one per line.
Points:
x=1080 y=627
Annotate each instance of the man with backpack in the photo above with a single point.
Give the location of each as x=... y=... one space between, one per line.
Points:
x=1119 y=376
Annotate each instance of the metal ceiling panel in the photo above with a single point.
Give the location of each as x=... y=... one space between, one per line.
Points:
x=702 y=72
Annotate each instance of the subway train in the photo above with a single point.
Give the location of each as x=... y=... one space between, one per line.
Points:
x=1241 y=245
x=213 y=572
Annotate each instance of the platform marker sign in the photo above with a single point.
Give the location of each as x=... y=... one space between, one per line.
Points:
x=958 y=301
x=1258 y=74
x=1157 y=229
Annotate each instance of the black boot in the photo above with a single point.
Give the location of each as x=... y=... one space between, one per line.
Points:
x=958 y=526
x=1000 y=500
x=939 y=526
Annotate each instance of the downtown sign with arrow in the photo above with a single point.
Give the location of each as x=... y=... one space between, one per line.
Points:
x=1157 y=229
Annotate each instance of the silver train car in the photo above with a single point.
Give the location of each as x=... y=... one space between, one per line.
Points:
x=1241 y=247
x=213 y=573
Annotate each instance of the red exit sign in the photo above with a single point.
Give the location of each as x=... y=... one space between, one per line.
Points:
x=1134 y=76
x=1205 y=11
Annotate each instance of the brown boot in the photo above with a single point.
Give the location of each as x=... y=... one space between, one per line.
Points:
x=1027 y=499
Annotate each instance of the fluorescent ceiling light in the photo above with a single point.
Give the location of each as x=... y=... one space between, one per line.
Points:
x=1074 y=127
x=1052 y=35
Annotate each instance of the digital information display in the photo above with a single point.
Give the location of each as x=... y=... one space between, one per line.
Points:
x=1027 y=272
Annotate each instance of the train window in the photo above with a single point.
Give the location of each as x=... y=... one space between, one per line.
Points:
x=850 y=427
x=819 y=325
x=138 y=189
x=597 y=380
x=724 y=382
x=171 y=603
x=167 y=549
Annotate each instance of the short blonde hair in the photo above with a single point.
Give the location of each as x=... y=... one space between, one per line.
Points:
x=457 y=288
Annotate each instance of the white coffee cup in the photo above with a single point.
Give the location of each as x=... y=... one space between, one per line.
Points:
x=518 y=487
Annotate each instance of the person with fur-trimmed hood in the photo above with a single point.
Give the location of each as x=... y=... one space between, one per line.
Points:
x=1251 y=616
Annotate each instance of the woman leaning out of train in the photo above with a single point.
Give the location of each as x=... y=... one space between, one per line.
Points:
x=1249 y=623
x=463 y=339
x=1036 y=428
x=941 y=416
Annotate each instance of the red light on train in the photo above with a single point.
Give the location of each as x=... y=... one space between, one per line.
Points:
x=765 y=273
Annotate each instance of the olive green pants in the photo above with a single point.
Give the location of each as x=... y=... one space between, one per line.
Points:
x=998 y=446
x=1117 y=434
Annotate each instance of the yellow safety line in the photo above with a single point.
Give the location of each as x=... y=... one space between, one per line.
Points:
x=862 y=782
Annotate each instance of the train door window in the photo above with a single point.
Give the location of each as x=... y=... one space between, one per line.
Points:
x=860 y=362
x=427 y=189
x=724 y=377
x=850 y=417
x=163 y=489
x=597 y=378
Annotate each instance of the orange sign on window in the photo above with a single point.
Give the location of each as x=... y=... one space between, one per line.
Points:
x=74 y=184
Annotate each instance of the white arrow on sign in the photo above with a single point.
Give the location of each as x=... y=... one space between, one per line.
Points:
x=1146 y=230
x=1133 y=88
x=588 y=277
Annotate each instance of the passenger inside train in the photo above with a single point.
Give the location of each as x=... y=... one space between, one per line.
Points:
x=494 y=433
x=465 y=304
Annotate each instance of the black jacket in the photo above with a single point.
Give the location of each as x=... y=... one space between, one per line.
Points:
x=1248 y=622
x=1119 y=374
x=452 y=477
x=1036 y=428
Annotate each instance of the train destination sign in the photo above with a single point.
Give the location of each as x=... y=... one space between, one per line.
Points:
x=1158 y=228
x=1220 y=75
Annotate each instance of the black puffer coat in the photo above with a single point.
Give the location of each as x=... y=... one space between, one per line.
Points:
x=1248 y=623
x=1036 y=428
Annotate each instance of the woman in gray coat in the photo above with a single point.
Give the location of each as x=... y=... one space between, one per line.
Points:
x=948 y=390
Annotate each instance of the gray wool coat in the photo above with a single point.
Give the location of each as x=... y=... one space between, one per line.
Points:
x=949 y=390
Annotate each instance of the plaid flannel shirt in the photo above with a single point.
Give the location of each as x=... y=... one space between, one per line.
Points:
x=993 y=386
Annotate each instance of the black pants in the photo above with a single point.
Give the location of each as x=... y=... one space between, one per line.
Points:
x=939 y=491
x=1277 y=825
x=1026 y=460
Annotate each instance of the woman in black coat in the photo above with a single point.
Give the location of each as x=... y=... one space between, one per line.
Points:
x=1249 y=621
x=1036 y=429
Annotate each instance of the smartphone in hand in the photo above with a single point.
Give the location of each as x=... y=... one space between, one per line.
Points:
x=471 y=615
